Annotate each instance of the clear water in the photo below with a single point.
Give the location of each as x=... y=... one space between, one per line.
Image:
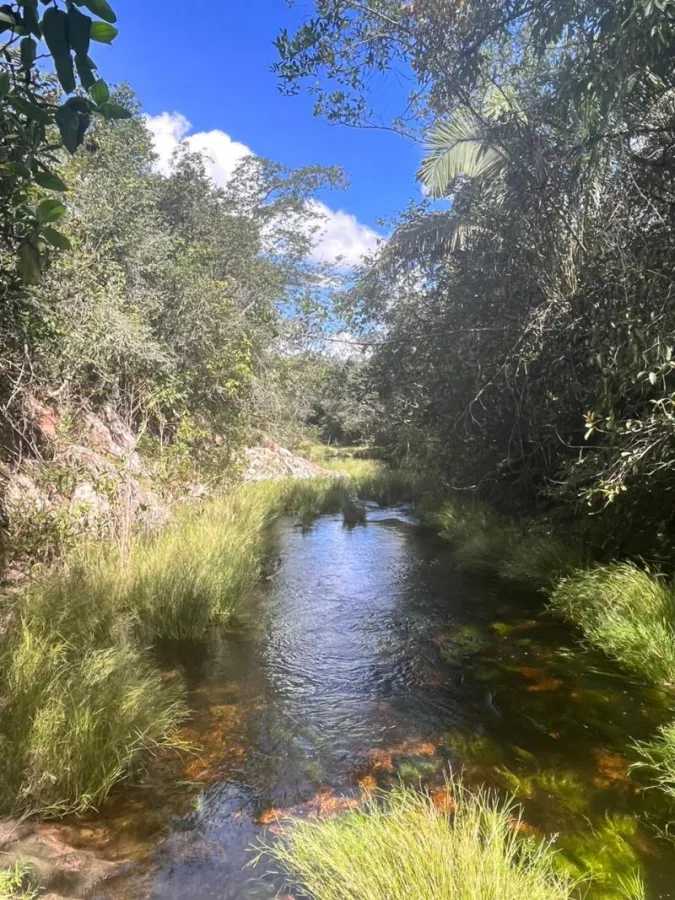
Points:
x=367 y=658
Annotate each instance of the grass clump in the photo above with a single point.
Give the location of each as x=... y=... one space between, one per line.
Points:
x=403 y=846
x=658 y=759
x=76 y=716
x=627 y=613
x=481 y=539
x=14 y=883
x=539 y=560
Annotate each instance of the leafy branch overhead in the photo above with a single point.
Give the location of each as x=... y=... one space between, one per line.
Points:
x=40 y=112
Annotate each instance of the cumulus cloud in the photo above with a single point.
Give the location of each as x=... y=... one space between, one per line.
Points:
x=221 y=153
x=340 y=235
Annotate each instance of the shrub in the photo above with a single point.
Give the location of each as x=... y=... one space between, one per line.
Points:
x=403 y=846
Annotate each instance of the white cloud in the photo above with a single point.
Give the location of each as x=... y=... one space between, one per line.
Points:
x=340 y=235
x=221 y=153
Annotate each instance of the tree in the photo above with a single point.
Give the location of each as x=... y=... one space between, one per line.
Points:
x=35 y=122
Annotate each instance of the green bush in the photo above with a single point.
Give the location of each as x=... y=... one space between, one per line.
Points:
x=402 y=847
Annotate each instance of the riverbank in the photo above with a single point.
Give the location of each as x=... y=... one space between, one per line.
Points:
x=624 y=610
x=82 y=701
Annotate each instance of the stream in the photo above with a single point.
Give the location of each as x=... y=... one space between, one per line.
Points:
x=365 y=658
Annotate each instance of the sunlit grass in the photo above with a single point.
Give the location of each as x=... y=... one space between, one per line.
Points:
x=627 y=613
x=81 y=704
x=402 y=847
x=76 y=716
x=658 y=759
x=13 y=883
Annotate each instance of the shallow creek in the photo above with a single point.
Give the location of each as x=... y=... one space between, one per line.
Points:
x=365 y=658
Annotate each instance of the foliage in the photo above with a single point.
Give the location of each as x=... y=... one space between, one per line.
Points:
x=522 y=331
x=473 y=851
x=177 y=301
x=627 y=612
x=31 y=117
x=80 y=707
x=12 y=883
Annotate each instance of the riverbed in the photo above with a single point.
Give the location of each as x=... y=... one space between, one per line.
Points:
x=365 y=658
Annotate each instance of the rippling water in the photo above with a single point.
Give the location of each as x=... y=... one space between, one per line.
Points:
x=367 y=658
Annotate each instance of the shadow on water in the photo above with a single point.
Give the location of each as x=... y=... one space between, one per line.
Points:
x=366 y=658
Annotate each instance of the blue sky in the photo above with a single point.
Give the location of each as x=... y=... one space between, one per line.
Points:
x=212 y=69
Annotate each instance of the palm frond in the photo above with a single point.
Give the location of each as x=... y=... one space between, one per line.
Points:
x=459 y=147
x=438 y=231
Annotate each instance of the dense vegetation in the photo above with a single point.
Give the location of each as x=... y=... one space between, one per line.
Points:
x=527 y=314
x=518 y=333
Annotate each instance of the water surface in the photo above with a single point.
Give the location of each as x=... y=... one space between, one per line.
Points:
x=366 y=658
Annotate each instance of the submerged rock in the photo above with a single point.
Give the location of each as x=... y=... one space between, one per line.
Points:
x=57 y=868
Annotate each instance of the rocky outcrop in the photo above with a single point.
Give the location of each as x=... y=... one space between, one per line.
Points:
x=270 y=462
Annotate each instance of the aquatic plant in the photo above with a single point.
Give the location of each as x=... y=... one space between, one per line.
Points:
x=539 y=560
x=404 y=846
x=604 y=856
x=625 y=611
x=353 y=513
x=480 y=538
x=658 y=758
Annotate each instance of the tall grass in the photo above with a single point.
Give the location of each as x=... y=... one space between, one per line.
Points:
x=658 y=759
x=403 y=847
x=81 y=703
x=626 y=612
x=76 y=715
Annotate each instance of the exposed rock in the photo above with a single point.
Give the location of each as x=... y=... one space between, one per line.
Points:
x=271 y=462
x=44 y=417
x=59 y=869
x=85 y=494
x=85 y=457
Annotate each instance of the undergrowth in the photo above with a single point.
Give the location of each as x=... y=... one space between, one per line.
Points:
x=627 y=612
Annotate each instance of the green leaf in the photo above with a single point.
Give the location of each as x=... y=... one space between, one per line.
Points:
x=79 y=30
x=65 y=72
x=18 y=168
x=100 y=92
x=29 y=264
x=50 y=210
x=7 y=18
x=28 y=53
x=55 y=238
x=55 y=30
x=73 y=119
x=68 y=121
x=114 y=110
x=86 y=71
x=100 y=8
x=30 y=110
x=103 y=33
x=50 y=182
x=4 y=85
